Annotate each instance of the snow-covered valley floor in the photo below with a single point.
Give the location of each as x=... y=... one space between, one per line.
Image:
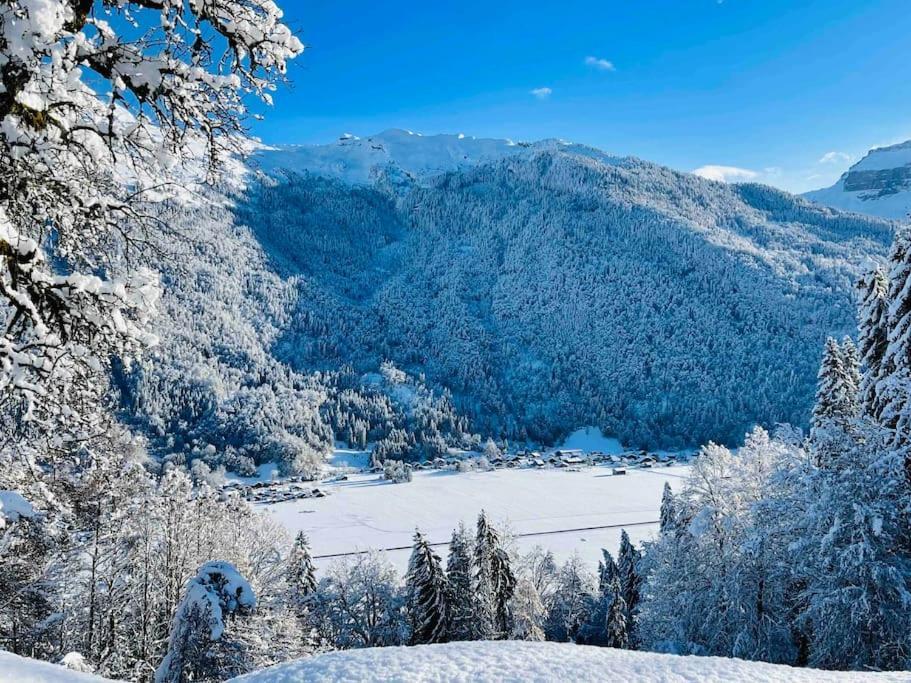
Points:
x=530 y=662
x=554 y=508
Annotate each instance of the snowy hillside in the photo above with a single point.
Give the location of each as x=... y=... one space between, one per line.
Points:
x=878 y=185
x=551 y=285
x=15 y=669
x=525 y=289
x=522 y=661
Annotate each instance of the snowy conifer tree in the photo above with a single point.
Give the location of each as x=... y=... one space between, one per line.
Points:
x=484 y=586
x=459 y=588
x=668 y=516
x=833 y=387
x=893 y=387
x=425 y=586
x=850 y=359
x=301 y=579
x=504 y=581
x=617 y=617
x=607 y=570
x=630 y=579
x=873 y=337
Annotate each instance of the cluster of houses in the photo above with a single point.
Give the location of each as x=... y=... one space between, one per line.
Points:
x=563 y=458
x=296 y=488
x=278 y=491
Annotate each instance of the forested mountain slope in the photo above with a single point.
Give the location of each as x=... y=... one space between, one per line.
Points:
x=551 y=285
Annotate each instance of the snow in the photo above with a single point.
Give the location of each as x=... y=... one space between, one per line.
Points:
x=895 y=205
x=356 y=160
x=266 y=472
x=590 y=439
x=15 y=669
x=365 y=512
x=525 y=662
x=347 y=459
x=13 y=506
x=885 y=158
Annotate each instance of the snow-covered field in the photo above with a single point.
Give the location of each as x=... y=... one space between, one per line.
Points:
x=365 y=512
x=527 y=662
x=14 y=669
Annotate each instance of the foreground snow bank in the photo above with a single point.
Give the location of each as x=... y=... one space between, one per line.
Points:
x=15 y=669
x=521 y=661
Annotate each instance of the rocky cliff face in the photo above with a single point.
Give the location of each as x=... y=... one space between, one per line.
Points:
x=879 y=184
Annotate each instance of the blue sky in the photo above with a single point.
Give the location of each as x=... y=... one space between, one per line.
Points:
x=789 y=90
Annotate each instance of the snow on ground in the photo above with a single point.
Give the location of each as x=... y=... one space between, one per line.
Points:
x=266 y=472
x=526 y=662
x=15 y=669
x=346 y=459
x=366 y=512
x=591 y=439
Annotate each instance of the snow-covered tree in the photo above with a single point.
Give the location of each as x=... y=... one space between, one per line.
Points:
x=893 y=386
x=459 y=586
x=616 y=626
x=873 y=336
x=484 y=610
x=668 y=515
x=572 y=603
x=494 y=583
x=630 y=578
x=358 y=604
x=853 y=561
x=425 y=586
x=301 y=578
x=835 y=392
x=527 y=612
x=198 y=647
x=105 y=109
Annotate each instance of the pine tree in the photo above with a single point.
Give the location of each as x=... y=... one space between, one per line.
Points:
x=607 y=570
x=459 y=589
x=873 y=337
x=617 y=618
x=896 y=362
x=630 y=580
x=484 y=586
x=425 y=586
x=301 y=581
x=833 y=388
x=851 y=363
x=668 y=516
x=504 y=582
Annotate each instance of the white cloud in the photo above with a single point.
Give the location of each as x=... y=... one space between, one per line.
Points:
x=835 y=158
x=726 y=174
x=542 y=93
x=600 y=64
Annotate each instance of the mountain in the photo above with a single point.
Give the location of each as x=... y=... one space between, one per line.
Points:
x=878 y=185
x=424 y=292
x=361 y=161
x=549 y=285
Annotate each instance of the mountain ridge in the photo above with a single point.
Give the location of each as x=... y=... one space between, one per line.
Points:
x=878 y=185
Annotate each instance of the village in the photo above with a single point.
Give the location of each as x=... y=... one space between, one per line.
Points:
x=282 y=489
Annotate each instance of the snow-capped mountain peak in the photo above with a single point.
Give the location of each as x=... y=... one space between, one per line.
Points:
x=358 y=160
x=879 y=184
